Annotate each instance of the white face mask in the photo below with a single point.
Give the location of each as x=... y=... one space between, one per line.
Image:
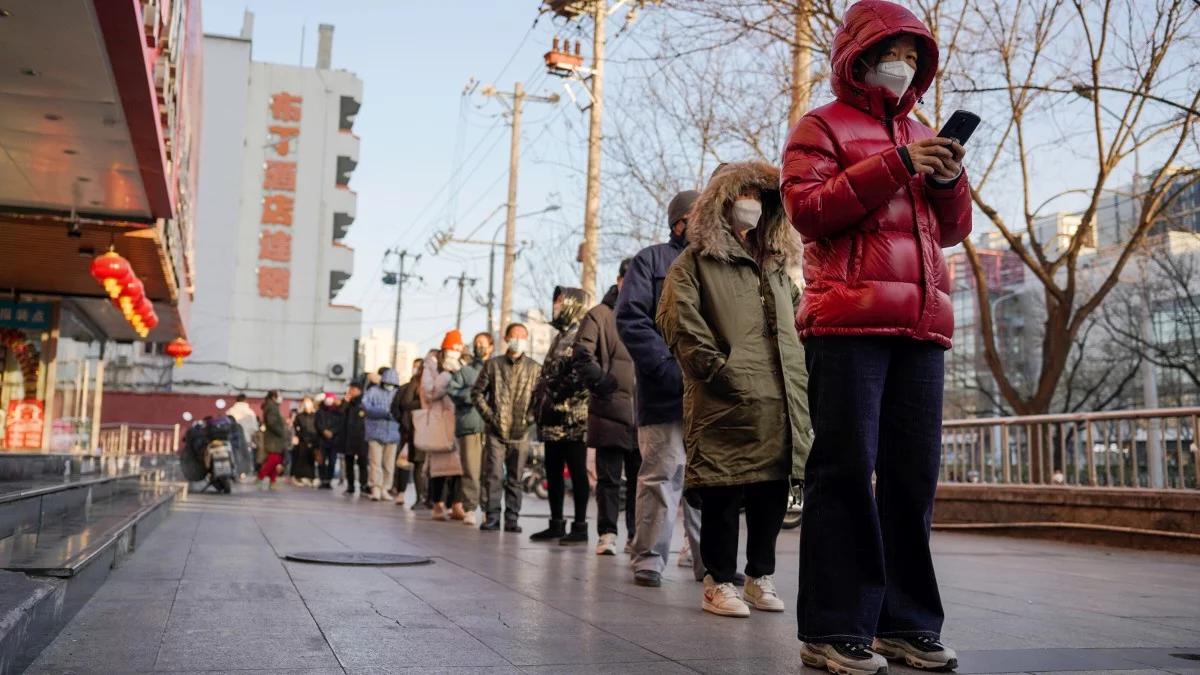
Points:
x=895 y=76
x=518 y=347
x=745 y=214
x=452 y=361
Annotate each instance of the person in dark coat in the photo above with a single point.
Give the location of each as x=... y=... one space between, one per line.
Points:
x=875 y=196
x=352 y=441
x=329 y=423
x=659 y=405
x=308 y=443
x=605 y=366
x=560 y=400
x=408 y=399
x=275 y=439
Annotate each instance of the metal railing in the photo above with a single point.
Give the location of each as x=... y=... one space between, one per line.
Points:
x=1126 y=448
x=138 y=439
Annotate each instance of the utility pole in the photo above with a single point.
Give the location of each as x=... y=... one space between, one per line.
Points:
x=518 y=97
x=591 y=209
x=463 y=281
x=801 y=63
x=398 y=279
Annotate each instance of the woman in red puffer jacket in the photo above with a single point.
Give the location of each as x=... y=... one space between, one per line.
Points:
x=875 y=198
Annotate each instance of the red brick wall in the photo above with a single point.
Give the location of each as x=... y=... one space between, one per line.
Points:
x=133 y=408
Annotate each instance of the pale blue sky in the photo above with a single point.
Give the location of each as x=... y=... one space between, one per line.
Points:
x=415 y=59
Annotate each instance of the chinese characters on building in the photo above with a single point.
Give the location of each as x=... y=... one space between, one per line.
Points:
x=279 y=197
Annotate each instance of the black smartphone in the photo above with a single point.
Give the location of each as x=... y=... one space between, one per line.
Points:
x=960 y=126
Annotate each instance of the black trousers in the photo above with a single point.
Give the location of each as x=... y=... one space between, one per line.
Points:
x=865 y=566
x=359 y=459
x=766 y=504
x=609 y=462
x=446 y=489
x=573 y=455
x=325 y=467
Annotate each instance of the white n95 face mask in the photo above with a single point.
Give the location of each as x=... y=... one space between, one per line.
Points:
x=745 y=214
x=895 y=76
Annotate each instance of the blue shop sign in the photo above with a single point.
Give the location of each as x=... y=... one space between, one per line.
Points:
x=25 y=315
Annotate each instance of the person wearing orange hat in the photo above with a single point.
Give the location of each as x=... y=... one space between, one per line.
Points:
x=445 y=465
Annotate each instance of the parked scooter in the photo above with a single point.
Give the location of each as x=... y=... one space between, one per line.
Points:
x=209 y=451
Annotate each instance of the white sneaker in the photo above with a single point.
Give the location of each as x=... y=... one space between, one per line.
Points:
x=760 y=594
x=607 y=545
x=685 y=555
x=723 y=599
x=469 y=519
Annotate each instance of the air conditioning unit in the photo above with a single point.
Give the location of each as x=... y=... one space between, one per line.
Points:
x=337 y=371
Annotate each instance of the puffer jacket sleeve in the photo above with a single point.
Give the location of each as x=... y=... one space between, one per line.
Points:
x=434 y=385
x=684 y=327
x=635 y=317
x=459 y=388
x=480 y=396
x=586 y=363
x=952 y=206
x=821 y=198
x=377 y=404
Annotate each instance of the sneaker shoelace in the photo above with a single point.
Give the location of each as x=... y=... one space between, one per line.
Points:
x=927 y=644
x=766 y=585
x=725 y=590
x=852 y=649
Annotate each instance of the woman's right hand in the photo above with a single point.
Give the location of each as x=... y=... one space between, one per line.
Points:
x=927 y=154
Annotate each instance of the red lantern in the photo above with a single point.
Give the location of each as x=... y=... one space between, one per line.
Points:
x=132 y=294
x=152 y=320
x=113 y=272
x=179 y=349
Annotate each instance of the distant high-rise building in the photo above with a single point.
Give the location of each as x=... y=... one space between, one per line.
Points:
x=375 y=350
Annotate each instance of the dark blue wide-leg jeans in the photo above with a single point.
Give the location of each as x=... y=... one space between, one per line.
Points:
x=865 y=565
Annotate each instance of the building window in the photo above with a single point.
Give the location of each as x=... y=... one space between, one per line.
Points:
x=349 y=110
x=337 y=280
x=345 y=167
x=341 y=225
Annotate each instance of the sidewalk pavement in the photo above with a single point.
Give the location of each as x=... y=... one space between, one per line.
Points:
x=209 y=592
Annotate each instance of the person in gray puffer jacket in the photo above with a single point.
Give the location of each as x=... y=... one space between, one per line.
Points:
x=383 y=431
x=560 y=399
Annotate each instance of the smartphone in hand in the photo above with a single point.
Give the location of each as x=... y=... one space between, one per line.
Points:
x=960 y=126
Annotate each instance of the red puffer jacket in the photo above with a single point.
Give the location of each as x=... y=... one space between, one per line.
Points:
x=873 y=232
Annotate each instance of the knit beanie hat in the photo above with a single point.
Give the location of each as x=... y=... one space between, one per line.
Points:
x=680 y=205
x=453 y=340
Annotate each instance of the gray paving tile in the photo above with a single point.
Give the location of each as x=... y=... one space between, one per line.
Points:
x=225 y=649
x=388 y=646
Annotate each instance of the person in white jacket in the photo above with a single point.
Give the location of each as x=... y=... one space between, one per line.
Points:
x=445 y=467
x=243 y=414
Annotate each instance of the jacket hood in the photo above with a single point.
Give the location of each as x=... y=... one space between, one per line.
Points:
x=573 y=308
x=610 y=298
x=709 y=230
x=866 y=23
x=389 y=377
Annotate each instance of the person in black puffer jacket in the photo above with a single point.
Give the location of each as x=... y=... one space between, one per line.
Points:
x=607 y=369
x=560 y=399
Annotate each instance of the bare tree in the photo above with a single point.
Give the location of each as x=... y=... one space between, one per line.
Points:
x=1081 y=89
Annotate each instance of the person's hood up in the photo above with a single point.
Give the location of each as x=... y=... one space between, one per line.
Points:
x=389 y=377
x=610 y=298
x=709 y=229
x=574 y=306
x=866 y=23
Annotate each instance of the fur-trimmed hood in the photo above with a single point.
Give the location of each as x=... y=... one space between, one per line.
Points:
x=709 y=229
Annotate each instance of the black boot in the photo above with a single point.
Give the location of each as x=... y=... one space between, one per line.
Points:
x=490 y=524
x=579 y=535
x=558 y=528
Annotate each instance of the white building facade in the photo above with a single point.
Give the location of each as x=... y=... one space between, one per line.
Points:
x=275 y=203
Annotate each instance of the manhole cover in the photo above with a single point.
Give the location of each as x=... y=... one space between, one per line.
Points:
x=357 y=558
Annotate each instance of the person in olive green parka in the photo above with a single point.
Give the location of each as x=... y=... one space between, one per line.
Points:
x=728 y=314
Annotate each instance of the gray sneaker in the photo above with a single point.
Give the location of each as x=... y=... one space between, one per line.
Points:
x=647 y=578
x=924 y=653
x=843 y=658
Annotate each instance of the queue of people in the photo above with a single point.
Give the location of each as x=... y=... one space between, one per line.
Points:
x=709 y=382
